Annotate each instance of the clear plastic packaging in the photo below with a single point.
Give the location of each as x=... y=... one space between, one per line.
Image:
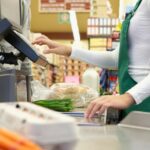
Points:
x=39 y=91
x=80 y=94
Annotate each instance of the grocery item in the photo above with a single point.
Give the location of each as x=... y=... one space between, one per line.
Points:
x=39 y=125
x=62 y=105
x=11 y=140
x=80 y=94
x=91 y=78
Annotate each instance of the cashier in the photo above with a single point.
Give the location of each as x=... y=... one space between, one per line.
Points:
x=131 y=58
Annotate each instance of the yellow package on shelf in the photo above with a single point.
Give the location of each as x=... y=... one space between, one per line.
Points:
x=98 y=41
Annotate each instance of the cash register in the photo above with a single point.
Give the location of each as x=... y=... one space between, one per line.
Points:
x=12 y=17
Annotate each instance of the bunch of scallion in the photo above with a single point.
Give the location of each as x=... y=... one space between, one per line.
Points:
x=62 y=105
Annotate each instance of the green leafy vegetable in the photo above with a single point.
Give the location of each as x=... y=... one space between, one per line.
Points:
x=62 y=105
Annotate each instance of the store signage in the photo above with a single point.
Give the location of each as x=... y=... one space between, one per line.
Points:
x=64 y=5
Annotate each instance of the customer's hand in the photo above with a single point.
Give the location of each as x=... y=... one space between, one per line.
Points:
x=101 y=104
x=53 y=47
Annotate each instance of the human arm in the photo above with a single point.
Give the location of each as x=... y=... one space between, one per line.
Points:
x=103 y=59
x=53 y=46
x=141 y=90
x=102 y=103
x=135 y=95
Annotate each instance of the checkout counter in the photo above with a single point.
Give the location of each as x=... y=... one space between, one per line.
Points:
x=105 y=132
x=133 y=133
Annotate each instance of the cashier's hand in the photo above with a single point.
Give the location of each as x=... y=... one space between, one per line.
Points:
x=53 y=47
x=101 y=104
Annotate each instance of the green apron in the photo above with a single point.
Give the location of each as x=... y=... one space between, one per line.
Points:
x=125 y=80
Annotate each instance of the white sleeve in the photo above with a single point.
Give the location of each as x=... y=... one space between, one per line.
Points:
x=141 y=90
x=102 y=59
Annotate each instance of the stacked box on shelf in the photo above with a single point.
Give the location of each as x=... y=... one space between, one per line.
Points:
x=99 y=31
x=70 y=67
x=101 y=26
x=46 y=76
x=100 y=43
x=98 y=8
x=78 y=5
x=65 y=5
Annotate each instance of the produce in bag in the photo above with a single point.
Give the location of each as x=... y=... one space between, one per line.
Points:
x=81 y=95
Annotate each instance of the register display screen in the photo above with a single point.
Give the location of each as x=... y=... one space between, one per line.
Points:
x=12 y=10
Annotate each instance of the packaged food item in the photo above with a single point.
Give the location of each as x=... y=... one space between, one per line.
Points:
x=80 y=94
x=91 y=78
x=39 y=91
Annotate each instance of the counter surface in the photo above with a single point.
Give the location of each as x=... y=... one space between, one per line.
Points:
x=111 y=137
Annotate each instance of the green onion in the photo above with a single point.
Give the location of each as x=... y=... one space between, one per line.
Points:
x=62 y=105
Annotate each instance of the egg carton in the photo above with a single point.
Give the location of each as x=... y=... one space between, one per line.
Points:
x=52 y=130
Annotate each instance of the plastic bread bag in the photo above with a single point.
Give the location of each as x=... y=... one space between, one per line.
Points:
x=39 y=91
x=80 y=94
